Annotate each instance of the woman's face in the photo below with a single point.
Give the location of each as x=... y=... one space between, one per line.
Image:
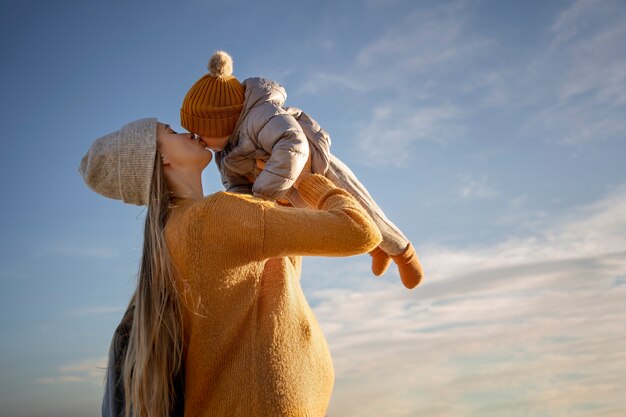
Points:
x=184 y=150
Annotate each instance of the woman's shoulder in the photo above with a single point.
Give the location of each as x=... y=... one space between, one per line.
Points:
x=227 y=197
x=219 y=205
x=222 y=215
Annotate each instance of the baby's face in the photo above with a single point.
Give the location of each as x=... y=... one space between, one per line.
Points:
x=215 y=144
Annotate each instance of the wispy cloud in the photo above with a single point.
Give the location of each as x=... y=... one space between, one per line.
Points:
x=580 y=16
x=397 y=129
x=476 y=187
x=531 y=325
x=576 y=84
x=424 y=41
x=437 y=71
x=87 y=370
x=399 y=66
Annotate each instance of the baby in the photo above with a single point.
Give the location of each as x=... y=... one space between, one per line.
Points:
x=261 y=147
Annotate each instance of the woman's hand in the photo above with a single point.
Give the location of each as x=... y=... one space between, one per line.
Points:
x=306 y=171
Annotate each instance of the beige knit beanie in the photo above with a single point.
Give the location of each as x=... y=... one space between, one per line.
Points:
x=119 y=165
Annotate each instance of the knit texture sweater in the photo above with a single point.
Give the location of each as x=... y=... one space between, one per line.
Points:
x=252 y=346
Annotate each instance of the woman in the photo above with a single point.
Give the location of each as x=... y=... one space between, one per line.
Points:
x=218 y=291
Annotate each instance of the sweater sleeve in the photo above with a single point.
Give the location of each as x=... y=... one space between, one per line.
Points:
x=339 y=226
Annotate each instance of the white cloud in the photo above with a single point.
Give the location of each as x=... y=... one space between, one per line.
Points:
x=578 y=16
x=396 y=129
x=322 y=80
x=422 y=45
x=570 y=88
x=476 y=187
x=87 y=370
x=434 y=40
x=529 y=326
x=578 y=82
x=438 y=74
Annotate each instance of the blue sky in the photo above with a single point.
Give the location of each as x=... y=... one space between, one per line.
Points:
x=491 y=132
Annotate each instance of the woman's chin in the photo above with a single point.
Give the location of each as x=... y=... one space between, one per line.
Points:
x=207 y=160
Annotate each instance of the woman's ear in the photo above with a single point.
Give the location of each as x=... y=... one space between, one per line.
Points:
x=164 y=160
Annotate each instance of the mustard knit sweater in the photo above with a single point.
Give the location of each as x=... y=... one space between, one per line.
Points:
x=252 y=346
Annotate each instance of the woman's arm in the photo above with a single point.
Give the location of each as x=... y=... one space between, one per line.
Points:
x=244 y=227
x=339 y=226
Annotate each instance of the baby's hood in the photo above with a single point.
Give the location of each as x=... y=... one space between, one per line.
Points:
x=261 y=90
x=258 y=91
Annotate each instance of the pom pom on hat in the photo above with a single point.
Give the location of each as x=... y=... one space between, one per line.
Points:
x=213 y=104
x=220 y=65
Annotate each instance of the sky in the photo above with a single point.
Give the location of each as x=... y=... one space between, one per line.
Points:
x=491 y=132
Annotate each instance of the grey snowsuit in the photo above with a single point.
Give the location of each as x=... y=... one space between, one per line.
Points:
x=283 y=137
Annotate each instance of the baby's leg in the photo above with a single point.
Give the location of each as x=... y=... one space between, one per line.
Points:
x=394 y=242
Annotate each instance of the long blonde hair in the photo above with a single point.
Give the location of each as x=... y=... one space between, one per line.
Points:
x=154 y=352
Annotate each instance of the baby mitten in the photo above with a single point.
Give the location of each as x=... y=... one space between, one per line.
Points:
x=409 y=267
x=380 y=261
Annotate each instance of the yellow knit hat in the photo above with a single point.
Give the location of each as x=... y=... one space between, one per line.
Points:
x=213 y=104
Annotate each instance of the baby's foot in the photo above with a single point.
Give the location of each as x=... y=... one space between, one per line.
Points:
x=380 y=261
x=409 y=267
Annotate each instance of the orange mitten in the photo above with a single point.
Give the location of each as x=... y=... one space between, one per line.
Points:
x=380 y=261
x=409 y=267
